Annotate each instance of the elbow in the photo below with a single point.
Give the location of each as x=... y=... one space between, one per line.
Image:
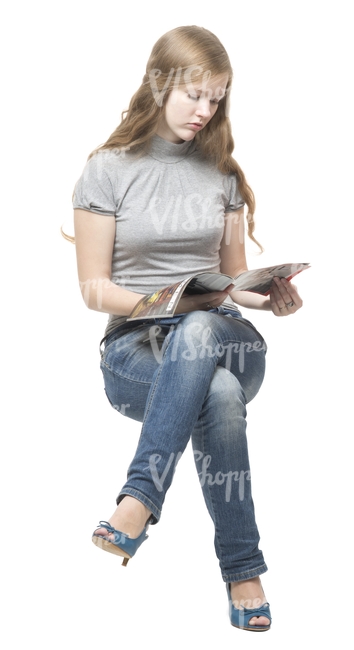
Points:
x=90 y=305
x=92 y=293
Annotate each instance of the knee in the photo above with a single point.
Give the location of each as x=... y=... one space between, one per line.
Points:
x=199 y=319
x=226 y=393
x=196 y=331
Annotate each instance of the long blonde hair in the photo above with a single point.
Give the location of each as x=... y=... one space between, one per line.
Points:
x=183 y=55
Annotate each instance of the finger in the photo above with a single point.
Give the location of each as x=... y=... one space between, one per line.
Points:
x=279 y=297
x=286 y=299
x=276 y=302
x=291 y=294
x=288 y=292
x=207 y=300
x=214 y=299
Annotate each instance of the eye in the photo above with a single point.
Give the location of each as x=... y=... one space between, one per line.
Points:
x=195 y=98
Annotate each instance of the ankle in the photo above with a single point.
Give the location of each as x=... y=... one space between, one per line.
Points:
x=133 y=509
x=130 y=516
x=247 y=593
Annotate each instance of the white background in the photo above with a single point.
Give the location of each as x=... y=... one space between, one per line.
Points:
x=69 y=70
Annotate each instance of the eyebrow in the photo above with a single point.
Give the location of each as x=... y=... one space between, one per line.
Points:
x=203 y=90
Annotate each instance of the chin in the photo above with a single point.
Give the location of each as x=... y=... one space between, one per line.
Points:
x=189 y=136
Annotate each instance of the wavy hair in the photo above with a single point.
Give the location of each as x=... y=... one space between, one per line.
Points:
x=183 y=55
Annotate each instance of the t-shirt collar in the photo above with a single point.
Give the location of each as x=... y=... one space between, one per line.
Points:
x=169 y=152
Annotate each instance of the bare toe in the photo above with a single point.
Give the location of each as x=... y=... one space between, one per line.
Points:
x=103 y=532
x=259 y=620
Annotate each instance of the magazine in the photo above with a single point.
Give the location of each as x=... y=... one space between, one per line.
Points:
x=163 y=302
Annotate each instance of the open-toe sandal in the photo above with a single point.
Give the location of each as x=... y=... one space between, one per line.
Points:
x=241 y=617
x=121 y=544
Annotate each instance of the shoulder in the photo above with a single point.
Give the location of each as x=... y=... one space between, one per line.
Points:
x=106 y=166
x=212 y=174
x=108 y=159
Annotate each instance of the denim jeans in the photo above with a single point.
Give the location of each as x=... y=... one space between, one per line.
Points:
x=185 y=377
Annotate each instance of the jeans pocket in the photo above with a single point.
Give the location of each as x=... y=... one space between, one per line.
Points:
x=114 y=406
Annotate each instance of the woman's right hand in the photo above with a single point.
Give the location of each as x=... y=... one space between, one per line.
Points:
x=204 y=301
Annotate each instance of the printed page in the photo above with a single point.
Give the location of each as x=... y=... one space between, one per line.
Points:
x=160 y=304
x=260 y=280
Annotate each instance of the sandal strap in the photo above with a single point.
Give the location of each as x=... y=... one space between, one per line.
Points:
x=246 y=614
x=107 y=525
x=110 y=529
x=263 y=608
x=121 y=540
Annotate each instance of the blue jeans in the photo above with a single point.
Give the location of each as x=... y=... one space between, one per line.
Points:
x=185 y=377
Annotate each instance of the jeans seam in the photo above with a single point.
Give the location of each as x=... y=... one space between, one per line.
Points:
x=125 y=377
x=236 y=551
x=211 y=500
x=246 y=575
x=148 y=405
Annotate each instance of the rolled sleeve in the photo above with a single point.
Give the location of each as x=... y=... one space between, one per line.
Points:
x=235 y=200
x=93 y=191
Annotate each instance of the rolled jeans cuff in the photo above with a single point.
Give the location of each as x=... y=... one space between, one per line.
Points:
x=156 y=512
x=245 y=575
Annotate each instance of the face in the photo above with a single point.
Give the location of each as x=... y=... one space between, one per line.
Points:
x=189 y=108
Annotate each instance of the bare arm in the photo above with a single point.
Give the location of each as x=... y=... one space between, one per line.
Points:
x=233 y=259
x=233 y=262
x=94 y=238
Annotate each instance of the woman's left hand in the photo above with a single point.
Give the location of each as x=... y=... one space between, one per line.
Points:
x=284 y=298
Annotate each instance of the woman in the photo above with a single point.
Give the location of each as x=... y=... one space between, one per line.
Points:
x=163 y=199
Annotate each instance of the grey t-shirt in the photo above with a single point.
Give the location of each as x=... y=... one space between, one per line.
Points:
x=169 y=205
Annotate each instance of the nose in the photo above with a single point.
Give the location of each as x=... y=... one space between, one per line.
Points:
x=203 y=109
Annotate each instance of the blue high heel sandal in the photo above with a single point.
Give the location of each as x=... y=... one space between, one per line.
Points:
x=121 y=545
x=241 y=617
